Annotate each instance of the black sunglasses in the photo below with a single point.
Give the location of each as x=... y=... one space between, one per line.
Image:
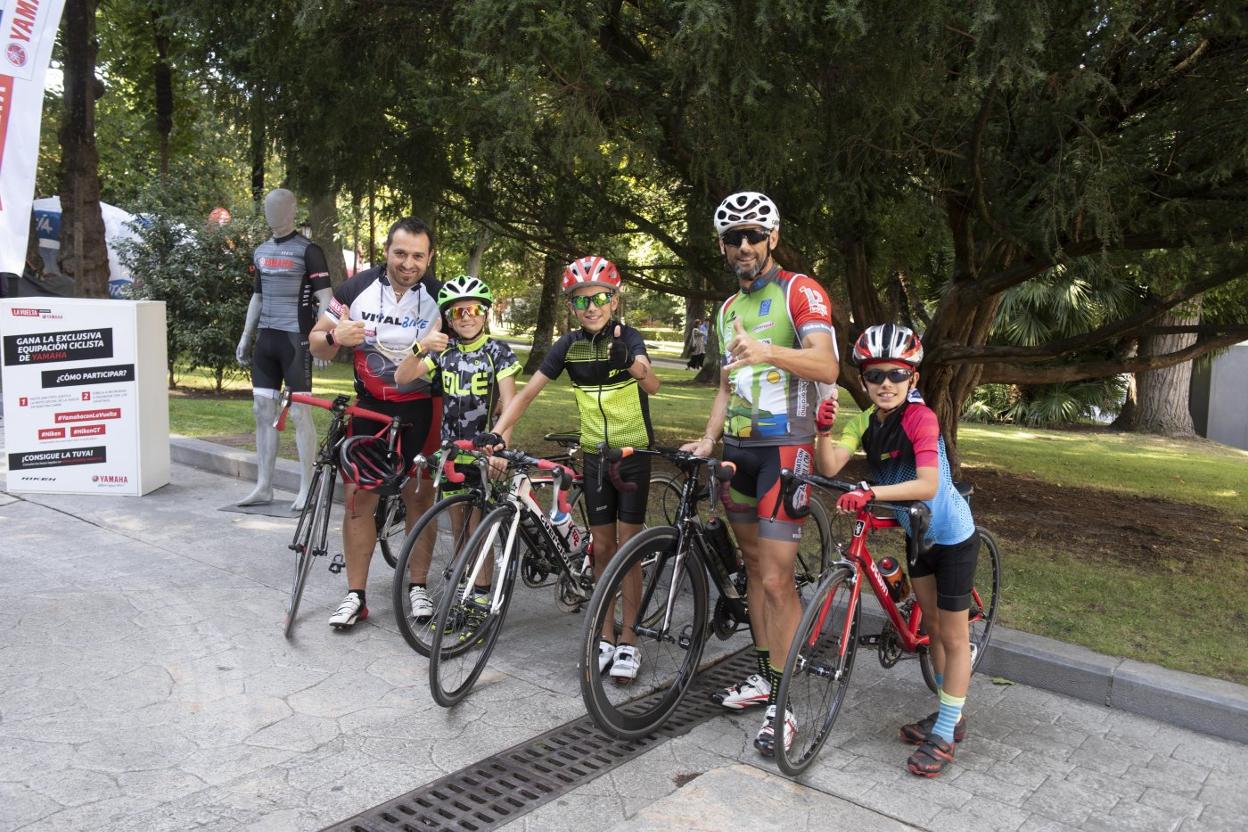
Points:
x=735 y=236
x=895 y=376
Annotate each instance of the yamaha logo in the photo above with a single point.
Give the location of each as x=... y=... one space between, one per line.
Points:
x=16 y=55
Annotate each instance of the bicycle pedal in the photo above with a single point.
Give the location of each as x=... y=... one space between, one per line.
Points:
x=869 y=641
x=337 y=564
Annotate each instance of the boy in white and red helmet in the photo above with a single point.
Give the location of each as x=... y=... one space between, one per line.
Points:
x=902 y=441
x=611 y=377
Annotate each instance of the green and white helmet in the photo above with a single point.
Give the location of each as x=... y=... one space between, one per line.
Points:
x=464 y=287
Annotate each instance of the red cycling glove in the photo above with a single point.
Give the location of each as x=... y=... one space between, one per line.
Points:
x=852 y=502
x=825 y=416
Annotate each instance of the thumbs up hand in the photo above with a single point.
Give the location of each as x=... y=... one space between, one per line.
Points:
x=745 y=349
x=619 y=357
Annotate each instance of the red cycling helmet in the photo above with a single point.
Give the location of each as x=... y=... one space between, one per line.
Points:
x=591 y=271
x=367 y=462
x=888 y=342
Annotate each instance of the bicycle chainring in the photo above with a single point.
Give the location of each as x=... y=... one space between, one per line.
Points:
x=574 y=590
x=889 y=646
x=535 y=570
x=724 y=621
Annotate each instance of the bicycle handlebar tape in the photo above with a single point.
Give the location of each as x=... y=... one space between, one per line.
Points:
x=613 y=473
x=726 y=470
x=448 y=471
x=280 y=424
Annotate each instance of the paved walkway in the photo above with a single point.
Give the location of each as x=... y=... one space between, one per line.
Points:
x=145 y=685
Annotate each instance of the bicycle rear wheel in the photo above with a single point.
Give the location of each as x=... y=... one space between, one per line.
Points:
x=663 y=501
x=309 y=540
x=817 y=669
x=982 y=615
x=813 y=553
x=391 y=520
x=444 y=529
x=670 y=647
x=466 y=630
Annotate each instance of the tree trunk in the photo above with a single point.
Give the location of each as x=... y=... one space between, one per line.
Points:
x=258 y=147
x=1162 y=395
x=552 y=273
x=484 y=238
x=163 y=78
x=323 y=217
x=709 y=374
x=1130 y=411
x=84 y=256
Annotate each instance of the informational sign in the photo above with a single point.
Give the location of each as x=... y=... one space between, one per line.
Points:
x=27 y=31
x=86 y=410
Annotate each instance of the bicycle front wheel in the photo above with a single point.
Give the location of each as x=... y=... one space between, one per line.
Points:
x=813 y=553
x=309 y=539
x=437 y=537
x=817 y=669
x=982 y=615
x=673 y=609
x=467 y=625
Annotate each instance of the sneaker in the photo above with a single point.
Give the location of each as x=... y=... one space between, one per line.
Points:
x=475 y=611
x=606 y=654
x=753 y=691
x=351 y=610
x=915 y=732
x=422 y=604
x=765 y=742
x=626 y=664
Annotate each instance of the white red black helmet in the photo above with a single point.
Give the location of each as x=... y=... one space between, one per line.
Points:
x=746 y=208
x=371 y=465
x=591 y=271
x=888 y=342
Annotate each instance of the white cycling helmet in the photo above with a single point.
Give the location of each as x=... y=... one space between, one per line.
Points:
x=888 y=342
x=746 y=208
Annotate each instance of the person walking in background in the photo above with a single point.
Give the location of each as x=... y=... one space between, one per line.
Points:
x=697 y=345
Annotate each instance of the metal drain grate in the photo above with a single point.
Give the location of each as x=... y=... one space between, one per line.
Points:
x=512 y=783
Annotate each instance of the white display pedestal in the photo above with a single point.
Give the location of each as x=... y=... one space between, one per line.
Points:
x=86 y=409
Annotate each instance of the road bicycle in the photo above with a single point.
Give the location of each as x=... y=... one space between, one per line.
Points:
x=515 y=537
x=311 y=533
x=440 y=533
x=821 y=657
x=679 y=561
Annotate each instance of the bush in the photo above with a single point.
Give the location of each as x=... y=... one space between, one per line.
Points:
x=1045 y=405
x=203 y=274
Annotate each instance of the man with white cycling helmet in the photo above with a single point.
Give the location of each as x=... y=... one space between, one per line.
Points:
x=779 y=347
x=383 y=315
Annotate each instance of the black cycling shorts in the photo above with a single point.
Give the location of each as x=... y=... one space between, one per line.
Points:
x=417 y=425
x=608 y=504
x=278 y=356
x=757 y=485
x=954 y=567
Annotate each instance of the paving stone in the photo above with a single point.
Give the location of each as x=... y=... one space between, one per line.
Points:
x=1046 y=741
x=297 y=732
x=1169 y=775
x=982 y=813
x=1106 y=785
x=20 y=804
x=1215 y=819
x=1227 y=791
x=1128 y=817
x=984 y=785
x=74 y=787
x=1106 y=756
x=1169 y=801
x=1066 y=802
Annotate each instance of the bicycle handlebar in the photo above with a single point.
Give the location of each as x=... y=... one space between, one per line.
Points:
x=339 y=403
x=920 y=515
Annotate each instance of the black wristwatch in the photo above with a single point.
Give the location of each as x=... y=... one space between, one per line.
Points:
x=329 y=337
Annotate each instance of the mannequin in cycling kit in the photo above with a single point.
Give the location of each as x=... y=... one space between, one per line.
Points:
x=901 y=437
x=381 y=314
x=478 y=375
x=612 y=379
x=778 y=346
x=291 y=289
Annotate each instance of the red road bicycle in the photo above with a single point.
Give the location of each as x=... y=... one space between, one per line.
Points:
x=821 y=657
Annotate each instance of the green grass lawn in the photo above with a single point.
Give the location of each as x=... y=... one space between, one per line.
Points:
x=1111 y=605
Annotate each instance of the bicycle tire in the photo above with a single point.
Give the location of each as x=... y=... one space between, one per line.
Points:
x=310 y=534
x=663 y=500
x=982 y=615
x=668 y=667
x=390 y=518
x=447 y=544
x=814 y=551
x=812 y=686
x=451 y=672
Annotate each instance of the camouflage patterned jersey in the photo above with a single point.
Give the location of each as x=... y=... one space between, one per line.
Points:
x=469 y=374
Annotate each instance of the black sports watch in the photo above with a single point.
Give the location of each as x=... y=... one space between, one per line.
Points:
x=329 y=338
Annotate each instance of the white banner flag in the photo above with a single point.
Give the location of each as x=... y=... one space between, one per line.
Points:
x=27 y=31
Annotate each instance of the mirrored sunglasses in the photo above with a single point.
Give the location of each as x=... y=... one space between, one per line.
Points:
x=878 y=376
x=459 y=313
x=581 y=302
x=735 y=236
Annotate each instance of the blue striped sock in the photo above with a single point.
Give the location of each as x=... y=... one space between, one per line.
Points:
x=947 y=717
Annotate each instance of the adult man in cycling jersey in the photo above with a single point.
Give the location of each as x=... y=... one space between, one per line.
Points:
x=291 y=290
x=779 y=346
x=382 y=314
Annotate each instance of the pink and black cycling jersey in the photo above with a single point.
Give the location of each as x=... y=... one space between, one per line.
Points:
x=395 y=322
x=908 y=439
